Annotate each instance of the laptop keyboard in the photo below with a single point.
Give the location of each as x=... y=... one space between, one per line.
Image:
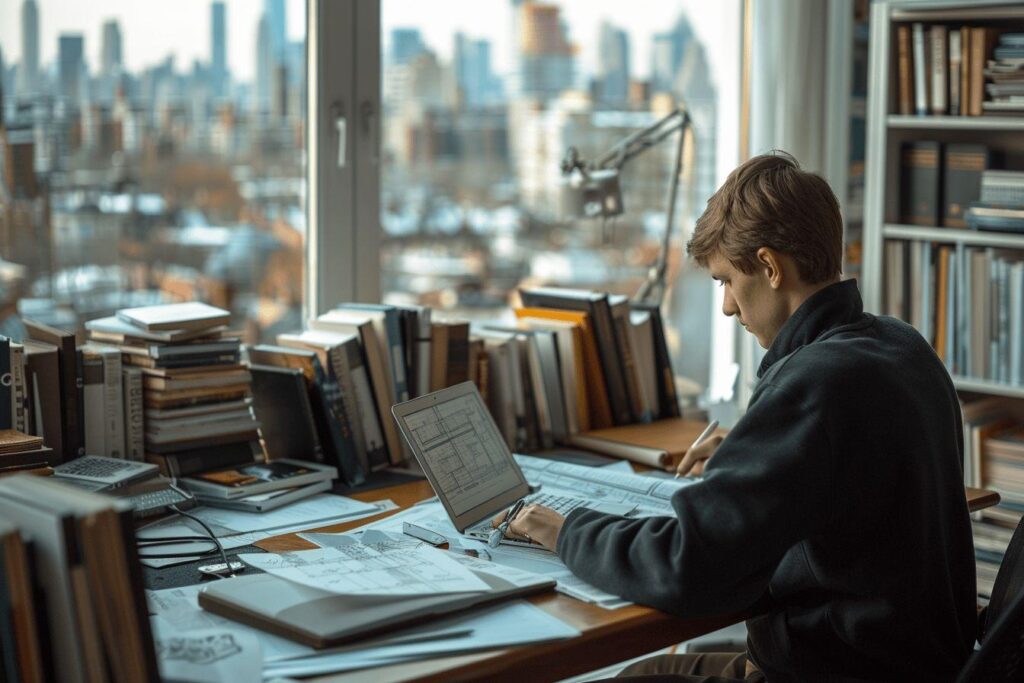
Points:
x=563 y=505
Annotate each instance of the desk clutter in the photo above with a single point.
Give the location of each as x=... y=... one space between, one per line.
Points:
x=255 y=436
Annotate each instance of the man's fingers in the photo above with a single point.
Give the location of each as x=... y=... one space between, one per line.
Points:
x=698 y=455
x=498 y=519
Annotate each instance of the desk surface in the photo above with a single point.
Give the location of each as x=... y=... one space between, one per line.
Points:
x=609 y=636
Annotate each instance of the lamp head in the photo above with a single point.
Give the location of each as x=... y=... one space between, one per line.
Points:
x=590 y=194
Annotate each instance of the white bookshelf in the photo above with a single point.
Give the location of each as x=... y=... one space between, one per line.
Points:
x=982 y=123
x=972 y=238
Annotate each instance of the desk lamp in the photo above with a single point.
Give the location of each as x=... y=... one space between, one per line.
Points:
x=591 y=189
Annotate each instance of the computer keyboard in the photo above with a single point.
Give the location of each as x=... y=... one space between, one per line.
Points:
x=560 y=504
x=94 y=468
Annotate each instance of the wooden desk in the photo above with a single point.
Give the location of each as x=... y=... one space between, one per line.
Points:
x=608 y=636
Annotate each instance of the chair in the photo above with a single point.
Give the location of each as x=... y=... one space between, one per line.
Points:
x=1001 y=623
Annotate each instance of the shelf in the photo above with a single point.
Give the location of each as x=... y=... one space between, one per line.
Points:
x=958 y=12
x=984 y=386
x=975 y=238
x=1003 y=123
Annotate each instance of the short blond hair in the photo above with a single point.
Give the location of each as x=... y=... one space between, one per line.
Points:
x=768 y=201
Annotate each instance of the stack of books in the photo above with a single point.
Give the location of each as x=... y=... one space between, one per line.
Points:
x=1006 y=72
x=1001 y=204
x=20 y=452
x=196 y=394
x=72 y=606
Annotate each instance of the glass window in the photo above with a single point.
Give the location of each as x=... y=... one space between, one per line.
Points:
x=481 y=102
x=154 y=152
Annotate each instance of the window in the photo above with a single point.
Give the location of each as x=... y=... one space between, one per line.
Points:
x=154 y=152
x=480 y=104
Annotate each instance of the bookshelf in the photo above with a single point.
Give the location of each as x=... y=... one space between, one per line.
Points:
x=933 y=275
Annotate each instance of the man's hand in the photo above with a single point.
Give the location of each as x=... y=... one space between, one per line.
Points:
x=535 y=523
x=694 y=459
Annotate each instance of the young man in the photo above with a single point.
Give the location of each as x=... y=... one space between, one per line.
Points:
x=833 y=514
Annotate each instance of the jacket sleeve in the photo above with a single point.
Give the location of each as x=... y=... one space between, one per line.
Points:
x=766 y=488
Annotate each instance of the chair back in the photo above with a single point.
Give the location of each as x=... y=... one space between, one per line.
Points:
x=1001 y=657
x=1009 y=581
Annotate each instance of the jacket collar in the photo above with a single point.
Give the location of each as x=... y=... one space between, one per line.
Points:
x=828 y=308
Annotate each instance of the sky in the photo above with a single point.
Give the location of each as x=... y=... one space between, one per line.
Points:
x=152 y=29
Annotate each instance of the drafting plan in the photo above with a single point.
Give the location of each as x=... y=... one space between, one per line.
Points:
x=463 y=451
x=652 y=496
x=359 y=569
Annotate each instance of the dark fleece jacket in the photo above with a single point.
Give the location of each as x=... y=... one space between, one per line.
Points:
x=834 y=511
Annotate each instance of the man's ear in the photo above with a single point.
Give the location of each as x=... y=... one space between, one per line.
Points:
x=770 y=262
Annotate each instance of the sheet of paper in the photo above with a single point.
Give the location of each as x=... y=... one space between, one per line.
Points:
x=619 y=466
x=309 y=511
x=177 y=610
x=182 y=526
x=652 y=496
x=364 y=570
x=513 y=623
x=209 y=656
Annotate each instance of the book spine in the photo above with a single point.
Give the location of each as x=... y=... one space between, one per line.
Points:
x=396 y=355
x=965 y=70
x=6 y=385
x=906 y=92
x=457 y=367
x=1016 y=323
x=629 y=370
x=350 y=358
x=342 y=434
x=20 y=412
x=113 y=405
x=919 y=183
x=95 y=424
x=938 y=69
x=134 y=420
x=920 y=71
x=979 y=47
x=964 y=165
x=423 y=352
x=954 y=72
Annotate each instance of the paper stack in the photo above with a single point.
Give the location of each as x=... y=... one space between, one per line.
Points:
x=20 y=452
x=196 y=411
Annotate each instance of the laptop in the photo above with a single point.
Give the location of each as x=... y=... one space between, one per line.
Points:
x=468 y=464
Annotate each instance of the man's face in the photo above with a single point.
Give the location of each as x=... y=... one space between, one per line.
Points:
x=759 y=307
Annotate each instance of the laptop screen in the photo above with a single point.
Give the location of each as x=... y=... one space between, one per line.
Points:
x=458 y=442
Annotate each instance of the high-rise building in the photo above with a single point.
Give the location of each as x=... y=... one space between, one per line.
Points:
x=472 y=63
x=406 y=45
x=546 y=57
x=71 y=48
x=277 y=29
x=264 y=65
x=110 y=50
x=28 y=72
x=218 y=46
x=667 y=55
x=613 y=65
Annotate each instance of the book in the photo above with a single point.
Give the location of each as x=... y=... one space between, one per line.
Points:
x=904 y=71
x=388 y=324
x=660 y=444
x=282 y=406
x=341 y=385
x=20 y=630
x=939 y=75
x=980 y=46
x=191 y=315
x=449 y=346
x=919 y=183
x=72 y=409
x=668 y=400
x=963 y=167
x=43 y=367
x=257 y=478
x=955 y=57
x=596 y=305
x=196 y=380
x=921 y=70
x=597 y=389
x=187 y=461
x=624 y=340
x=21 y=412
x=115 y=330
x=6 y=385
x=380 y=382
x=965 y=70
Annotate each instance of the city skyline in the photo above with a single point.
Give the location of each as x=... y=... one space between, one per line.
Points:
x=438 y=21
x=185 y=29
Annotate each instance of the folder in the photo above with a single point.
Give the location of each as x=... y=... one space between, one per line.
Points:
x=322 y=619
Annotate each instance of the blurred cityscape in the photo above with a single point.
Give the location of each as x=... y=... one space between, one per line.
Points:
x=183 y=181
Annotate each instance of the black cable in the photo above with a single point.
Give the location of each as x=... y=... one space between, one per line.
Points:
x=170 y=540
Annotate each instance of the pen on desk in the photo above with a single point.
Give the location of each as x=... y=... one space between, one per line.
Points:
x=703 y=437
x=495 y=536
